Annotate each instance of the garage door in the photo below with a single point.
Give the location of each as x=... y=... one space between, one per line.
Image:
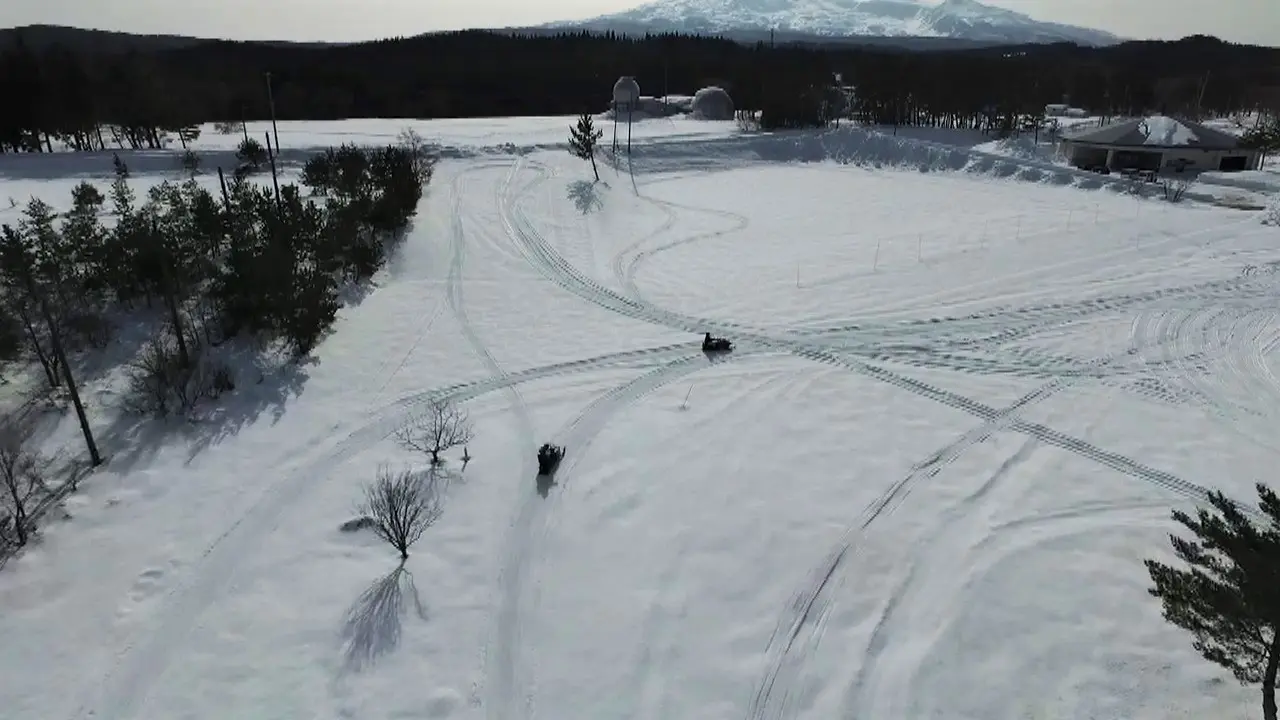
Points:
x=1235 y=163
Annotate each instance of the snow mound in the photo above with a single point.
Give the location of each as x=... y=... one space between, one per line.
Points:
x=712 y=103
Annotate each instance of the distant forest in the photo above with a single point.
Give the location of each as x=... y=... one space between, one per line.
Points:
x=64 y=95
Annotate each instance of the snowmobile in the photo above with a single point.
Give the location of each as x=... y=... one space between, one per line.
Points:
x=715 y=344
x=549 y=457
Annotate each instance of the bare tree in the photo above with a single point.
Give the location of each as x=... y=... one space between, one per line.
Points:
x=423 y=160
x=443 y=426
x=402 y=506
x=21 y=480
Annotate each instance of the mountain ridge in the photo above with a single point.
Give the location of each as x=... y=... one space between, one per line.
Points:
x=968 y=20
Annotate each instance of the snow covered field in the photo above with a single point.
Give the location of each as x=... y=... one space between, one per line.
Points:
x=965 y=396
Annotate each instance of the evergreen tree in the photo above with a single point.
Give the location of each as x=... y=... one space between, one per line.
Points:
x=583 y=139
x=1229 y=599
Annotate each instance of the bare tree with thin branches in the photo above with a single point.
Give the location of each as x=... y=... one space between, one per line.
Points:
x=402 y=505
x=442 y=426
x=21 y=480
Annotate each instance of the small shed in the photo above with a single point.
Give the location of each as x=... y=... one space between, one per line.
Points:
x=1159 y=144
x=712 y=103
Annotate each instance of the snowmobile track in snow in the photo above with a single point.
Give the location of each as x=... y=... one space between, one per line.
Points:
x=536 y=521
x=808 y=607
x=143 y=659
x=122 y=693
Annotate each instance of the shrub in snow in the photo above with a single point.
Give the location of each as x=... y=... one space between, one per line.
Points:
x=422 y=160
x=21 y=482
x=442 y=426
x=364 y=522
x=402 y=506
x=1175 y=188
x=228 y=128
x=160 y=382
x=190 y=162
x=250 y=152
x=1271 y=216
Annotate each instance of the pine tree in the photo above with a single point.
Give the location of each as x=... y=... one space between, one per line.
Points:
x=583 y=139
x=1230 y=598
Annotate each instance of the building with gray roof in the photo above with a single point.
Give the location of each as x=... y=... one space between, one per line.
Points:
x=1158 y=144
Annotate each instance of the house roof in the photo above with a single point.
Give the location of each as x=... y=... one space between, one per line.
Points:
x=1158 y=131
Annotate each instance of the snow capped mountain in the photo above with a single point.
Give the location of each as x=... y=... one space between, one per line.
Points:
x=972 y=20
x=958 y=19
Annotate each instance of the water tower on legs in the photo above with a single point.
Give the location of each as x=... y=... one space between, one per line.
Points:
x=626 y=98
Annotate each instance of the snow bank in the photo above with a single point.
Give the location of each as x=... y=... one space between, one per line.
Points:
x=855 y=146
x=653 y=108
x=1255 y=180
x=1021 y=148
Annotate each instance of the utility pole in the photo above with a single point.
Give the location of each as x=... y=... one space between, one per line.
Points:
x=666 y=85
x=271 y=103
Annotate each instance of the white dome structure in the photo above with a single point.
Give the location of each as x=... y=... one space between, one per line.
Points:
x=626 y=92
x=711 y=103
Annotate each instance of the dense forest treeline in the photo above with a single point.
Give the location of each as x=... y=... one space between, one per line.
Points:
x=67 y=96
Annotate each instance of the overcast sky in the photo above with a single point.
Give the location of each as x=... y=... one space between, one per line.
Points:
x=1254 y=21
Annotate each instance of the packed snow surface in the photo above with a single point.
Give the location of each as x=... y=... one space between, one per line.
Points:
x=966 y=393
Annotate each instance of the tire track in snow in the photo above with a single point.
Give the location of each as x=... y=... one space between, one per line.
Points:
x=619 y=262
x=626 y=274
x=1221 y=361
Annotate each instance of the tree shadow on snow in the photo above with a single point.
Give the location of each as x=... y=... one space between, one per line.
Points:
x=373 y=625
x=543 y=483
x=264 y=383
x=585 y=195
